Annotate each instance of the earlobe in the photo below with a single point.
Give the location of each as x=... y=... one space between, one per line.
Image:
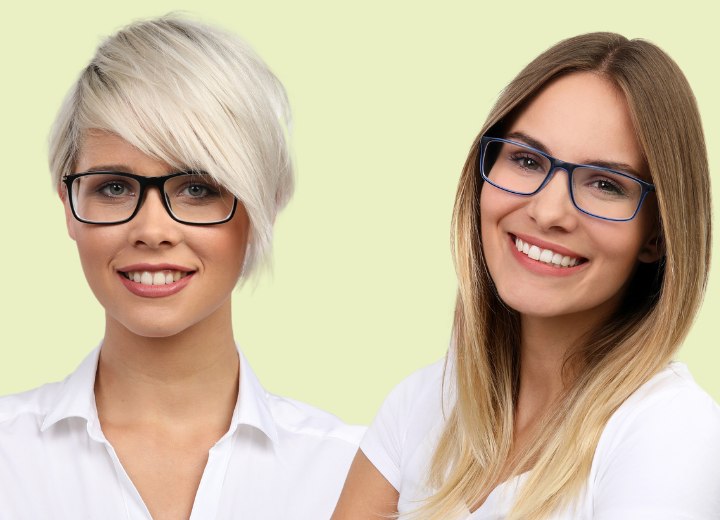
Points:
x=69 y=219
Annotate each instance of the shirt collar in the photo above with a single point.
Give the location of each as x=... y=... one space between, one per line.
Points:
x=253 y=407
x=76 y=398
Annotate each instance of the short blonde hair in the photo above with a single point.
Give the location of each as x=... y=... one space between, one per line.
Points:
x=195 y=97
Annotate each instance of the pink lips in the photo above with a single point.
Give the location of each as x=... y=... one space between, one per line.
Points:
x=154 y=291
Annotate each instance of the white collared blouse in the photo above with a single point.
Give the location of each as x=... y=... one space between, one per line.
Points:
x=280 y=459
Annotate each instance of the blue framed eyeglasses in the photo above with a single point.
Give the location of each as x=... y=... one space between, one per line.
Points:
x=600 y=192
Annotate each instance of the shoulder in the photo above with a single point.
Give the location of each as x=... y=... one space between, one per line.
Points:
x=408 y=421
x=316 y=448
x=421 y=388
x=660 y=451
x=298 y=418
x=671 y=398
x=419 y=401
x=32 y=403
x=670 y=416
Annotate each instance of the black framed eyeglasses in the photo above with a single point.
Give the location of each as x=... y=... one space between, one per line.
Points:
x=107 y=197
x=594 y=190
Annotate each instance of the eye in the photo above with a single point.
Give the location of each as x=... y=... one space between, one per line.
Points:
x=609 y=187
x=114 y=188
x=197 y=190
x=526 y=161
x=606 y=185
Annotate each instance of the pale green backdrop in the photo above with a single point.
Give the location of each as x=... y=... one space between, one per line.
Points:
x=387 y=98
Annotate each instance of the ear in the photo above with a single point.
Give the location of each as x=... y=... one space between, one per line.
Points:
x=654 y=247
x=70 y=221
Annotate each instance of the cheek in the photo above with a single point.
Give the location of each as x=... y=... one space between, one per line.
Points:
x=495 y=206
x=488 y=211
x=226 y=249
x=95 y=248
x=238 y=232
x=616 y=255
x=618 y=242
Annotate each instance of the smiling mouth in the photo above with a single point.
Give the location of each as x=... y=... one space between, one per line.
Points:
x=165 y=277
x=547 y=256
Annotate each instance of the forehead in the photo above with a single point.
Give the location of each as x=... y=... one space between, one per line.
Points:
x=582 y=117
x=100 y=150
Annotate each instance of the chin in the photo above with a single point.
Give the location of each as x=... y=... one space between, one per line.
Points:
x=155 y=330
x=151 y=324
x=533 y=305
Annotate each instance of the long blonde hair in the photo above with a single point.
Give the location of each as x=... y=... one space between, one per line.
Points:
x=633 y=345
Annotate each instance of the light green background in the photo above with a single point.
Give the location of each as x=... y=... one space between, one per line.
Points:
x=387 y=99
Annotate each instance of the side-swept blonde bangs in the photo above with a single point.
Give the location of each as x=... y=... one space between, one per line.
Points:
x=195 y=97
x=613 y=361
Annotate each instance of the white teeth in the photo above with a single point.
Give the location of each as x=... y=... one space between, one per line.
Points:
x=546 y=256
x=534 y=252
x=156 y=277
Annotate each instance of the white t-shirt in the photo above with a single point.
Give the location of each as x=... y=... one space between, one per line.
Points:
x=658 y=457
x=280 y=459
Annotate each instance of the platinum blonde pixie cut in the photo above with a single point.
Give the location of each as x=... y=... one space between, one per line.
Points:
x=195 y=97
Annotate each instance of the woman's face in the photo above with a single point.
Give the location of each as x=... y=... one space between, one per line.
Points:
x=580 y=118
x=206 y=261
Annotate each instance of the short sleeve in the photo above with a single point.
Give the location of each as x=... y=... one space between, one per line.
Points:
x=408 y=408
x=663 y=463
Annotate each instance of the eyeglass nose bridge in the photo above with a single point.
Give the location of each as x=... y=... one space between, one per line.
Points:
x=557 y=164
x=152 y=182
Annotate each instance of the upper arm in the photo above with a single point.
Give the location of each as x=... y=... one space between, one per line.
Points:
x=366 y=495
x=664 y=465
x=380 y=468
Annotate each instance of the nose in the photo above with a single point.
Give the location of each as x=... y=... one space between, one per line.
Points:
x=552 y=207
x=152 y=226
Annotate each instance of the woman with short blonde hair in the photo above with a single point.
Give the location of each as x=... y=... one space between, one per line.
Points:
x=171 y=157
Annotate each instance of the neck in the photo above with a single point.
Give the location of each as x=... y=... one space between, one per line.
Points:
x=191 y=376
x=545 y=344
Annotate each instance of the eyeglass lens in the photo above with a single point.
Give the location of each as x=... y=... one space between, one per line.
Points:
x=597 y=191
x=112 y=197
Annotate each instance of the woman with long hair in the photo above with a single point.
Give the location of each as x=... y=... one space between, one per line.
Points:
x=582 y=245
x=171 y=157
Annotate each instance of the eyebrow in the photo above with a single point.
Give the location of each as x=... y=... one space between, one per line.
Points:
x=610 y=165
x=117 y=168
x=124 y=168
